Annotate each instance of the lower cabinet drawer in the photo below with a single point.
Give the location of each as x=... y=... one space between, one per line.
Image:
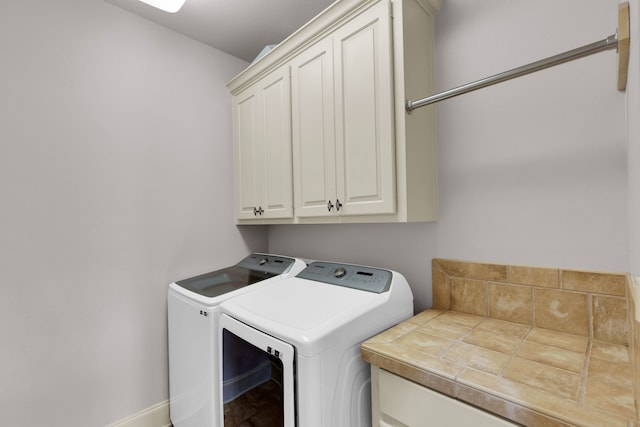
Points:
x=402 y=403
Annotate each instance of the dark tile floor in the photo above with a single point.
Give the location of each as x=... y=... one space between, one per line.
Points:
x=259 y=407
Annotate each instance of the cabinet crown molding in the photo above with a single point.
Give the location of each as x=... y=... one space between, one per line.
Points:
x=289 y=47
x=323 y=23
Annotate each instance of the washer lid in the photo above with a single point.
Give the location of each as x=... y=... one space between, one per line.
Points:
x=252 y=269
x=223 y=281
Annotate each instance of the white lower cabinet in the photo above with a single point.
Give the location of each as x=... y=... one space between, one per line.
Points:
x=398 y=402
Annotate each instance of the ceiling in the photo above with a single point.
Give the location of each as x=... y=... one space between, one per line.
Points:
x=241 y=28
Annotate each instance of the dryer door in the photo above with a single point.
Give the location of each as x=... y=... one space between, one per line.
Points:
x=257 y=373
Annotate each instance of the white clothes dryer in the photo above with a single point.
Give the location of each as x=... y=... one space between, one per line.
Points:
x=309 y=329
x=193 y=313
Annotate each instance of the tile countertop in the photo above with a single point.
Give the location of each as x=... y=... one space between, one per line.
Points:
x=539 y=346
x=530 y=375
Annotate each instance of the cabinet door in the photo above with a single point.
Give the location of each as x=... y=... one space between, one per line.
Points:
x=262 y=144
x=313 y=130
x=277 y=200
x=248 y=152
x=365 y=142
x=402 y=403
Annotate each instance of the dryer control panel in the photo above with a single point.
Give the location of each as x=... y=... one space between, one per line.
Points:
x=351 y=276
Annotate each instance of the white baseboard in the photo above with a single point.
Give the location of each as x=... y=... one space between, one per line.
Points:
x=154 y=416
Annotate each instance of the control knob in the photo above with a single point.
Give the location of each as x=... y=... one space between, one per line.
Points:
x=340 y=272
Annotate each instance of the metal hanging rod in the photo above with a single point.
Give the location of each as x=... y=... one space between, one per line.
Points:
x=619 y=40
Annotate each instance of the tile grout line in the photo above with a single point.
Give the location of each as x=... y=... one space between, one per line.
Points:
x=515 y=352
x=533 y=307
x=590 y=315
x=585 y=372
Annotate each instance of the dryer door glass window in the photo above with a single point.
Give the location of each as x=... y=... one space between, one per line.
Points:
x=257 y=377
x=223 y=281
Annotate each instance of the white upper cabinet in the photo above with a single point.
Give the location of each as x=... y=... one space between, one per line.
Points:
x=262 y=148
x=313 y=130
x=246 y=158
x=336 y=135
x=343 y=141
x=365 y=141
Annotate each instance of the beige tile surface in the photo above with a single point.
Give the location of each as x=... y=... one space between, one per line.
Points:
x=443 y=329
x=427 y=343
x=394 y=333
x=610 y=398
x=610 y=319
x=610 y=352
x=560 y=310
x=553 y=356
x=634 y=340
x=557 y=339
x=541 y=401
x=463 y=319
x=615 y=373
x=424 y=317
x=480 y=358
x=520 y=414
x=593 y=282
x=494 y=341
x=535 y=276
x=544 y=377
x=440 y=286
x=504 y=328
x=533 y=376
x=510 y=302
x=540 y=346
x=411 y=358
x=474 y=270
x=469 y=296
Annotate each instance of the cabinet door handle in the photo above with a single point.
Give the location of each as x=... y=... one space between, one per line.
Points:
x=260 y=210
x=329 y=205
x=338 y=205
x=255 y=211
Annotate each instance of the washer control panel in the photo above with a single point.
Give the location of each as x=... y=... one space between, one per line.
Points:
x=351 y=276
x=266 y=263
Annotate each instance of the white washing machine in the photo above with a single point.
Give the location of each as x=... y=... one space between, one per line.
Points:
x=193 y=306
x=309 y=329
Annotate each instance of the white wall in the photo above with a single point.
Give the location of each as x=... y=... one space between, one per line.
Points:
x=115 y=180
x=633 y=123
x=115 y=137
x=532 y=171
